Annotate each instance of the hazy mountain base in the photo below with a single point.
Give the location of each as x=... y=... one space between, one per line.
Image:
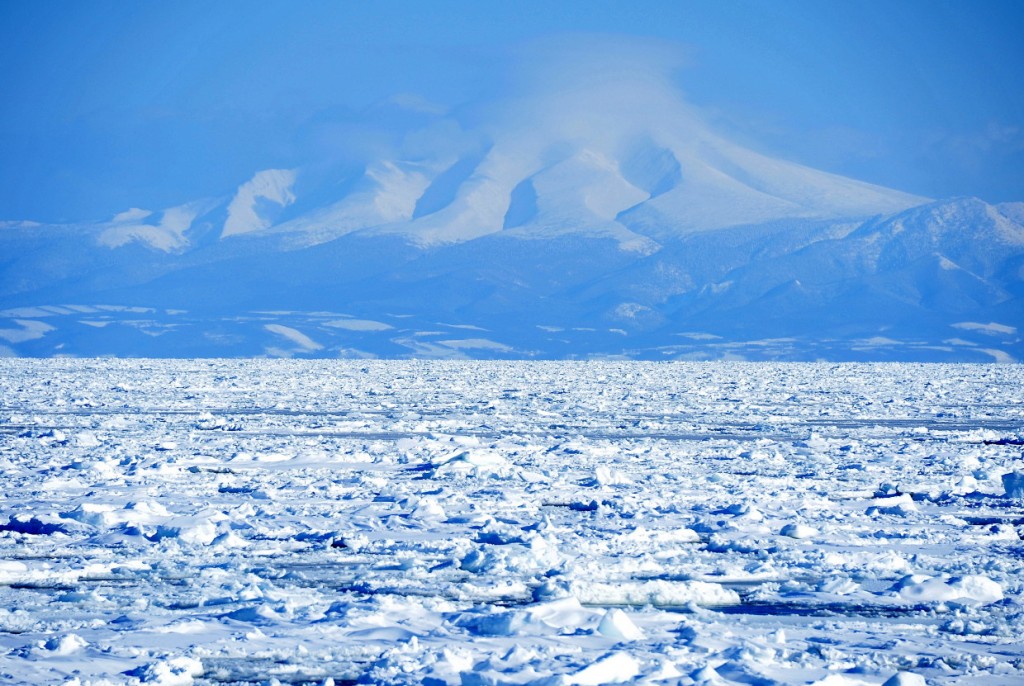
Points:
x=938 y=282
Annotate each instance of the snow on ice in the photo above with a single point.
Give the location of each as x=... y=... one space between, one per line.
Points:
x=319 y=522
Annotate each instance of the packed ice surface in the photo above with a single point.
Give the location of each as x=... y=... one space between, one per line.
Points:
x=179 y=522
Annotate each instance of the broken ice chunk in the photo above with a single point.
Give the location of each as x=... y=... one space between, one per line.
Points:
x=617 y=624
x=1013 y=483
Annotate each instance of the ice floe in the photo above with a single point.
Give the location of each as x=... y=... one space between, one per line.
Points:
x=275 y=521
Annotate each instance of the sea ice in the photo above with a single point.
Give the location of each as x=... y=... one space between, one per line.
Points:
x=239 y=522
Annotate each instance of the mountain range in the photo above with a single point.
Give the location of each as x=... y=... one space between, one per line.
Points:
x=571 y=226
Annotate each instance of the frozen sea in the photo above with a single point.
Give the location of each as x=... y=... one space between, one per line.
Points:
x=311 y=522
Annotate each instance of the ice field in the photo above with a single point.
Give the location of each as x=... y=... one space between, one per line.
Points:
x=310 y=522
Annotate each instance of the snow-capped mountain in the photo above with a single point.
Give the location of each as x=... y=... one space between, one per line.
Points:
x=582 y=161
x=591 y=221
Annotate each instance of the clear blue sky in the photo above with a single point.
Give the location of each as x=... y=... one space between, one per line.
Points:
x=110 y=104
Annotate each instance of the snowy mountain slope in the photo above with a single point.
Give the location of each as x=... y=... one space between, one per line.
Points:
x=248 y=210
x=620 y=156
x=388 y=193
x=595 y=220
x=627 y=187
x=911 y=254
x=726 y=185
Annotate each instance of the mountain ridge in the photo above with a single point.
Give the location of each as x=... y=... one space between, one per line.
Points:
x=598 y=236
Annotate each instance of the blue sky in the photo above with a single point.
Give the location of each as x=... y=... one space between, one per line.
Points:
x=111 y=104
